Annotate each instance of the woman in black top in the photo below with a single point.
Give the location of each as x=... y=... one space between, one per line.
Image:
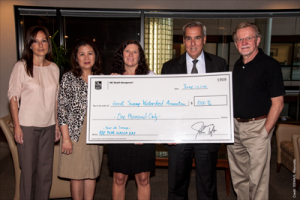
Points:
x=124 y=159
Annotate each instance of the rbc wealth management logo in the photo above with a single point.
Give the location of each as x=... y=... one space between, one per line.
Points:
x=98 y=85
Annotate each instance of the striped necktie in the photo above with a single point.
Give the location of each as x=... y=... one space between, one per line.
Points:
x=194 y=70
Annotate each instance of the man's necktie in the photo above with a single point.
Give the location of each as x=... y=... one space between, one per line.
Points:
x=194 y=70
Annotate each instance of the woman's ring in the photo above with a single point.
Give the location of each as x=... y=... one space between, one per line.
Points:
x=65 y=152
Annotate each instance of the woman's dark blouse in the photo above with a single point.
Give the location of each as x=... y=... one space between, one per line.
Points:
x=72 y=104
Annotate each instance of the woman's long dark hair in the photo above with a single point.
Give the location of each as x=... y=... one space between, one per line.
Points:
x=118 y=65
x=27 y=55
x=76 y=70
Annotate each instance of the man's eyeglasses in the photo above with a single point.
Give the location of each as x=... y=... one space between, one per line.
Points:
x=247 y=39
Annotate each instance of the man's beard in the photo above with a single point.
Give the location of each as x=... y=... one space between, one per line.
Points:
x=248 y=52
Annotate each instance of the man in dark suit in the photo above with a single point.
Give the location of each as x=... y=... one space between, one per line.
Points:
x=194 y=60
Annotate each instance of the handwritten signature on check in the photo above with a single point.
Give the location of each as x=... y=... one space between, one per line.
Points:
x=203 y=129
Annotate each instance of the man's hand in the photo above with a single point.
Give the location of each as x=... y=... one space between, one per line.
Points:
x=275 y=110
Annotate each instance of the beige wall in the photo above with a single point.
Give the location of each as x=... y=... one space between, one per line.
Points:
x=7 y=22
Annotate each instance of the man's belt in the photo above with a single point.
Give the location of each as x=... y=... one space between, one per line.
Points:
x=252 y=119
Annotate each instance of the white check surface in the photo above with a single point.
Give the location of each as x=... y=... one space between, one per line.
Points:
x=160 y=109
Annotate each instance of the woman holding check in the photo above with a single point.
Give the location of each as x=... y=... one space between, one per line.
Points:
x=124 y=159
x=79 y=162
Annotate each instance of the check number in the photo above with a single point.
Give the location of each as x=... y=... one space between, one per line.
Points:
x=220 y=100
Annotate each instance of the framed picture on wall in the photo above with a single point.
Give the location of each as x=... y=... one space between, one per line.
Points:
x=273 y=52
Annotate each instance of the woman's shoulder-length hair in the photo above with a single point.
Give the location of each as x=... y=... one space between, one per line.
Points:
x=118 y=65
x=76 y=70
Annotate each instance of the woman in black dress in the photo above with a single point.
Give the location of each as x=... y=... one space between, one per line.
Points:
x=124 y=159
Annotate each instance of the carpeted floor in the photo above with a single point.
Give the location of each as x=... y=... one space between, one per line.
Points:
x=280 y=183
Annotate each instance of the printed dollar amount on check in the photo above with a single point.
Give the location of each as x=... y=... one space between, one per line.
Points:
x=160 y=109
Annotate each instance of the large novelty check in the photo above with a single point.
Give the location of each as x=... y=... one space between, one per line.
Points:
x=160 y=109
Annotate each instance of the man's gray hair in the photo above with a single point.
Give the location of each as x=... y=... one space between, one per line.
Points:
x=192 y=25
x=245 y=25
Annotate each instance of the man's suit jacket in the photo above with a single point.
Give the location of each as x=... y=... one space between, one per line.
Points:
x=178 y=66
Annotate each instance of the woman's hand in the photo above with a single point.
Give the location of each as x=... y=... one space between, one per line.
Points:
x=114 y=74
x=57 y=128
x=57 y=134
x=67 y=147
x=18 y=134
x=138 y=143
